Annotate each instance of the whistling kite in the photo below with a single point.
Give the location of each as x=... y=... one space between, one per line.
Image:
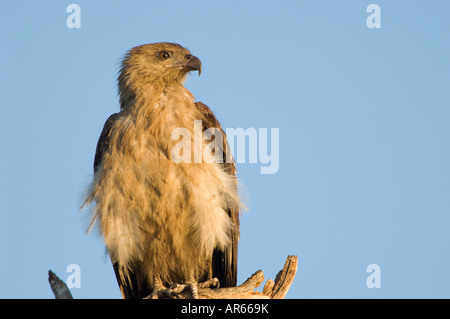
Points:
x=163 y=221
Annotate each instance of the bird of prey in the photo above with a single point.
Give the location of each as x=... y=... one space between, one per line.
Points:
x=164 y=222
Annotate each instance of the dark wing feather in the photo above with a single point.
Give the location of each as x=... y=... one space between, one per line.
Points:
x=224 y=261
x=103 y=141
x=128 y=285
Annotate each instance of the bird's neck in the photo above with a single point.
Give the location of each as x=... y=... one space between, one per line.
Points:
x=158 y=99
x=159 y=110
x=152 y=94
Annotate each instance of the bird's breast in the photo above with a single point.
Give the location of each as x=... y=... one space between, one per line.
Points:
x=148 y=204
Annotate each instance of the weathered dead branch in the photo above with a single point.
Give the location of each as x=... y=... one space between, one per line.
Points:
x=272 y=289
x=59 y=288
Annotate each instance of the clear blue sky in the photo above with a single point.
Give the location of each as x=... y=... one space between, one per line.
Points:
x=363 y=116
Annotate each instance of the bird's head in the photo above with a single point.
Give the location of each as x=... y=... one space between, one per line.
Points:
x=166 y=62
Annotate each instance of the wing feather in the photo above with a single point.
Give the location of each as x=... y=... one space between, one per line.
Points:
x=103 y=141
x=224 y=261
x=129 y=286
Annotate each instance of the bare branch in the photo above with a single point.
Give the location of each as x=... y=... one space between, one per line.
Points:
x=58 y=286
x=272 y=289
x=284 y=278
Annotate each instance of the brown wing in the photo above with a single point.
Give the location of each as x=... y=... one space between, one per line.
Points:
x=103 y=141
x=129 y=286
x=224 y=261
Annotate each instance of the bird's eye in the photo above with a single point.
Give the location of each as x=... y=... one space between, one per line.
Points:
x=163 y=55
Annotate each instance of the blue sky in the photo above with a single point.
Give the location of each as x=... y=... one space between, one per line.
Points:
x=363 y=117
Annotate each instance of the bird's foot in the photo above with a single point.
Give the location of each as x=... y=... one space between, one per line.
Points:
x=162 y=292
x=211 y=283
x=165 y=293
x=181 y=291
x=193 y=286
x=175 y=291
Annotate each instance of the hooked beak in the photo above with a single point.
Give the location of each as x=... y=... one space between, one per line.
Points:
x=193 y=63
